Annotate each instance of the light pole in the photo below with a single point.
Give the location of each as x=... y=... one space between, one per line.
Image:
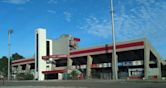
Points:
x=10 y=31
x=114 y=56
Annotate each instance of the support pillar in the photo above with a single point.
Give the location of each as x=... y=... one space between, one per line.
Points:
x=69 y=64
x=159 y=67
x=88 y=67
x=146 y=59
x=19 y=68
x=28 y=68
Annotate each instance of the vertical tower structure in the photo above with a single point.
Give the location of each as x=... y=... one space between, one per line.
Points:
x=40 y=45
x=48 y=53
x=49 y=48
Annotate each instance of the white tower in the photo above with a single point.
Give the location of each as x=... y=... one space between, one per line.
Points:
x=40 y=50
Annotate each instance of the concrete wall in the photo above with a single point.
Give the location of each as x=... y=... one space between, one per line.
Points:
x=61 y=45
x=40 y=63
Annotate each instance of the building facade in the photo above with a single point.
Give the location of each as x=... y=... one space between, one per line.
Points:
x=137 y=59
x=23 y=66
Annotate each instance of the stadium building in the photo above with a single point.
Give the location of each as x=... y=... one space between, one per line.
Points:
x=137 y=59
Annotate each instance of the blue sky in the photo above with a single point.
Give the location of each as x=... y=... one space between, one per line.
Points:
x=86 y=19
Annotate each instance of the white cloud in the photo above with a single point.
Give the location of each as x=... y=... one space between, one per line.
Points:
x=68 y=16
x=147 y=19
x=52 y=1
x=51 y=11
x=98 y=27
x=18 y=2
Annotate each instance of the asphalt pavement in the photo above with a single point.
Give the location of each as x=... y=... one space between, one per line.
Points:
x=84 y=84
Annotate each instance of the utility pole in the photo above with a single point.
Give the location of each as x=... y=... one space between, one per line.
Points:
x=10 y=31
x=114 y=56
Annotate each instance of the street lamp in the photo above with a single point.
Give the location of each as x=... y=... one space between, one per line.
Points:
x=114 y=56
x=10 y=31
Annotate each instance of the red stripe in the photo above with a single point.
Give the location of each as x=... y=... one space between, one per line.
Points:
x=77 y=39
x=141 y=43
x=22 y=61
x=53 y=71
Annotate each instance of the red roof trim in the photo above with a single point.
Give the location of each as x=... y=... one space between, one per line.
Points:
x=77 y=39
x=22 y=61
x=120 y=46
x=53 y=71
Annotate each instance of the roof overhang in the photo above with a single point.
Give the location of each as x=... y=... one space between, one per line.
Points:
x=28 y=60
x=107 y=48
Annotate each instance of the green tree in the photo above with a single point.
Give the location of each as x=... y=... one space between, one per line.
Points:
x=4 y=65
x=17 y=56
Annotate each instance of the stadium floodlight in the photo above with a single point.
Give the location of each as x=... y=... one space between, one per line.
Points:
x=114 y=56
x=10 y=31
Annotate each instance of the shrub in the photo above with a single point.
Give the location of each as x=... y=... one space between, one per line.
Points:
x=75 y=74
x=24 y=76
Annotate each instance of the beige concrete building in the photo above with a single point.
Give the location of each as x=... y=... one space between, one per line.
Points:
x=137 y=59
